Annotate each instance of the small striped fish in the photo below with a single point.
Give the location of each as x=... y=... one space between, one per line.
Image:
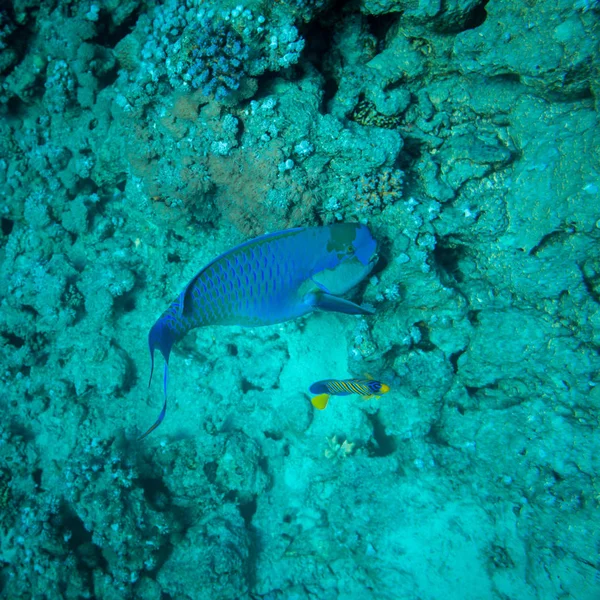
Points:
x=270 y=279
x=367 y=388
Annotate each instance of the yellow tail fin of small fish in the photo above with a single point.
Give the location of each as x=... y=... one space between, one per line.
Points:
x=320 y=401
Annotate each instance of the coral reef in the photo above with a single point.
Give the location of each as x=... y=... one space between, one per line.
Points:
x=140 y=139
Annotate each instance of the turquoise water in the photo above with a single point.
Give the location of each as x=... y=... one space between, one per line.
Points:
x=140 y=140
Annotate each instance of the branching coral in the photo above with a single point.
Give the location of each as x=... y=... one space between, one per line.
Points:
x=376 y=191
x=217 y=60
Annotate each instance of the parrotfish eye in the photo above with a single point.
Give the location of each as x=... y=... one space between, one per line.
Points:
x=375 y=386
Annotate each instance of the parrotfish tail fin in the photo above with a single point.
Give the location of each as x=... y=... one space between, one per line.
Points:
x=163 y=412
x=161 y=337
x=329 y=303
x=151 y=365
x=320 y=401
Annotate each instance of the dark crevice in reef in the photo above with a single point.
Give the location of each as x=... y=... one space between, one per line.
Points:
x=13 y=340
x=72 y=523
x=414 y=148
x=471 y=390
x=479 y=392
x=554 y=237
x=477 y=17
x=36 y=475
x=592 y=285
x=265 y=83
x=379 y=25
x=391 y=355
x=88 y=555
x=20 y=34
x=273 y=435
x=384 y=251
x=21 y=430
x=330 y=88
x=27 y=308
x=15 y=107
x=125 y=303
x=473 y=317
x=424 y=344
x=319 y=39
x=382 y=444
x=156 y=493
x=7 y=225
x=447 y=256
x=247 y=386
x=109 y=33
x=247 y=510
x=107 y=79
x=454 y=359
x=435 y=436
x=210 y=471
x=508 y=78
x=4 y=577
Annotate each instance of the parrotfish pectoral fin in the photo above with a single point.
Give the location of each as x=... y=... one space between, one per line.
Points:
x=320 y=401
x=320 y=285
x=329 y=303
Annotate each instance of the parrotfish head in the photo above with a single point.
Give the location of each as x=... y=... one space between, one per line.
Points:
x=365 y=247
x=356 y=252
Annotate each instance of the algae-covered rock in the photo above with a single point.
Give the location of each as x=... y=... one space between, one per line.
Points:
x=211 y=561
x=239 y=468
x=504 y=344
x=558 y=181
x=426 y=376
x=508 y=44
x=443 y=16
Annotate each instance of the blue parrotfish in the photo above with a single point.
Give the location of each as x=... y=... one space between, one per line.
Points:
x=270 y=279
x=367 y=388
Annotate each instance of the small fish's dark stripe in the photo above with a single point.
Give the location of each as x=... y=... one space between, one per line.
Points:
x=340 y=386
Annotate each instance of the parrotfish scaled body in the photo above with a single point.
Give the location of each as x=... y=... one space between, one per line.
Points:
x=271 y=279
x=367 y=388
